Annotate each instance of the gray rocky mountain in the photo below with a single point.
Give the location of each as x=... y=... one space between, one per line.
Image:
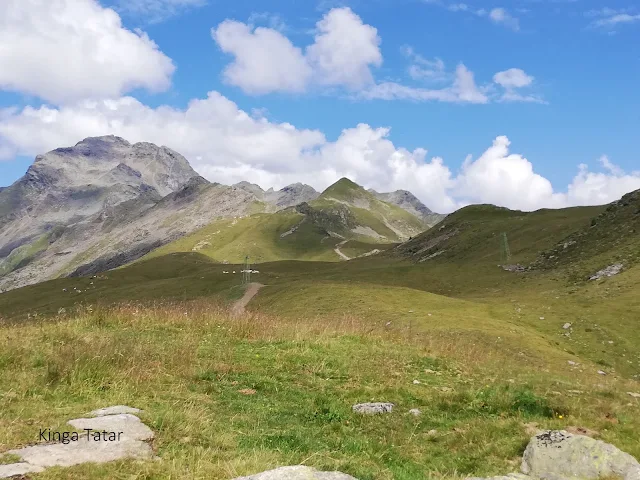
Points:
x=106 y=202
x=275 y=200
x=101 y=204
x=410 y=203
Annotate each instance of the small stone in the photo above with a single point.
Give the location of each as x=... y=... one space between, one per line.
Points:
x=566 y=326
x=600 y=372
x=373 y=408
x=431 y=433
x=417 y=382
x=572 y=363
x=415 y=412
x=634 y=395
x=541 y=318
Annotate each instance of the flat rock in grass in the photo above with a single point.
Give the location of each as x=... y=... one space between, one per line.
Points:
x=559 y=455
x=116 y=410
x=511 y=476
x=83 y=451
x=298 y=472
x=125 y=439
x=130 y=425
x=373 y=408
x=15 y=469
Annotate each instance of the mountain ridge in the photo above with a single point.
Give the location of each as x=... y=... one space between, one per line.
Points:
x=106 y=202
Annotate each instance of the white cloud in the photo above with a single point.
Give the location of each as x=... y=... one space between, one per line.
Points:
x=226 y=144
x=610 y=18
x=344 y=49
x=265 y=60
x=513 y=79
x=422 y=68
x=503 y=17
x=65 y=50
x=593 y=188
x=501 y=178
x=343 y=52
x=157 y=10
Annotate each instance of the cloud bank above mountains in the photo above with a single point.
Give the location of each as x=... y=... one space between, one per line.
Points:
x=226 y=144
x=104 y=61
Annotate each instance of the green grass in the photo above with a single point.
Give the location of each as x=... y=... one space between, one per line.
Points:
x=185 y=365
x=24 y=254
x=261 y=236
x=323 y=335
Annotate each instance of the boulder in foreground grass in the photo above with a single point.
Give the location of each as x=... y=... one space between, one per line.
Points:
x=559 y=455
x=100 y=439
x=298 y=472
x=373 y=408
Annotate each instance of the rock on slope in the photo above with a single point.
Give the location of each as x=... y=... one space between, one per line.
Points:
x=409 y=202
x=100 y=205
x=288 y=196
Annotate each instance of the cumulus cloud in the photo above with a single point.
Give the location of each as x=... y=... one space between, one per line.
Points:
x=227 y=145
x=265 y=60
x=66 y=50
x=344 y=49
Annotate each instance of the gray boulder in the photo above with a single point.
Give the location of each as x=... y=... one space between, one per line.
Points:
x=119 y=437
x=373 y=408
x=559 y=455
x=298 y=472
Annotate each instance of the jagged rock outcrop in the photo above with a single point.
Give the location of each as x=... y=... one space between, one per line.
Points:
x=276 y=200
x=410 y=203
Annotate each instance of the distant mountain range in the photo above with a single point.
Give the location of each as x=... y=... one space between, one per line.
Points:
x=106 y=202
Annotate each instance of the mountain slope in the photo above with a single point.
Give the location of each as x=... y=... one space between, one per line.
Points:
x=344 y=222
x=473 y=235
x=612 y=237
x=409 y=202
x=364 y=216
x=102 y=204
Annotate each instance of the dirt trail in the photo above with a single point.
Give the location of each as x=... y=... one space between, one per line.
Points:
x=252 y=291
x=337 y=250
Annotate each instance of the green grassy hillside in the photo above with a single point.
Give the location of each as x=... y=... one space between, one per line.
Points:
x=473 y=235
x=285 y=235
x=482 y=352
x=345 y=216
x=376 y=218
x=611 y=237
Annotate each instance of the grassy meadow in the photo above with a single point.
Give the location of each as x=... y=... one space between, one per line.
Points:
x=229 y=396
x=482 y=352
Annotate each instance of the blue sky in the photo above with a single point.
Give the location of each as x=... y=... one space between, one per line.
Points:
x=481 y=101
